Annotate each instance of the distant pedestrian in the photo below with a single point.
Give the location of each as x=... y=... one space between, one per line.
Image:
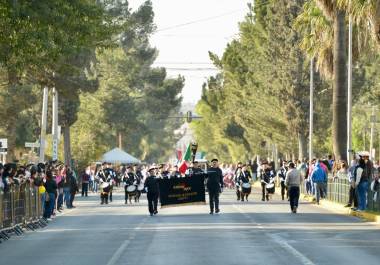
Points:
x=293 y=181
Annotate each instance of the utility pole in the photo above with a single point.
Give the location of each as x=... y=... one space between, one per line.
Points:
x=43 y=125
x=55 y=124
x=349 y=91
x=373 y=121
x=311 y=111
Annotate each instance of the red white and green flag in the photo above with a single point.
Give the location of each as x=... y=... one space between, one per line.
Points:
x=185 y=160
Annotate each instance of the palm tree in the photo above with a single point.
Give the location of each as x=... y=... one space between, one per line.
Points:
x=327 y=40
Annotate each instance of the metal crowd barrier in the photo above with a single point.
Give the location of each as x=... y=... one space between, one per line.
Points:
x=20 y=208
x=338 y=189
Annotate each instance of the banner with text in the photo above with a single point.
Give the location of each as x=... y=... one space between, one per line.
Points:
x=182 y=191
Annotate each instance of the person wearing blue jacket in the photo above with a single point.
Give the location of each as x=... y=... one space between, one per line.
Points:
x=319 y=178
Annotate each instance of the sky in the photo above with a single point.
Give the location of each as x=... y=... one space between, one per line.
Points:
x=183 y=49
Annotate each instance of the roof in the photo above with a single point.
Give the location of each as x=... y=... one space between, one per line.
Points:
x=117 y=155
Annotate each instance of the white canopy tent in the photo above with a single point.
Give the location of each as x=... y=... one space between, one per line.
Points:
x=117 y=155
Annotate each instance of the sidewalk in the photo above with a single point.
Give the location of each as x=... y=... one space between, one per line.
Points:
x=333 y=206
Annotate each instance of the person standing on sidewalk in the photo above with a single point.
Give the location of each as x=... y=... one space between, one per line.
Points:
x=85 y=183
x=364 y=175
x=319 y=178
x=351 y=174
x=51 y=188
x=293 y=181
x=214 y=178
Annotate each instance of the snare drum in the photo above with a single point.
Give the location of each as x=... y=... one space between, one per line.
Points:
x=246 y=188
x=140 y=187
x=131 y=188
x=105 y=187
x=270 y=188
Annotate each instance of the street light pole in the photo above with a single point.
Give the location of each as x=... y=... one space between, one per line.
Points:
x=311 y=111
x=349 y=92
x=43 y=125
x=373 y=121
x=55 y=124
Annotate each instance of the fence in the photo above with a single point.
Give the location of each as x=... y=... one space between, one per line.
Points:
x=20 y=207
x=338 y=191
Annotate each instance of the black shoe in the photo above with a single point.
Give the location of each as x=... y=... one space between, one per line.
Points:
x=348 y=205
x=151 y=214
x=211 y=212
x=155 y=212
x=217 y=211
x=242 y=200
x=267 y=197
x=263 y=199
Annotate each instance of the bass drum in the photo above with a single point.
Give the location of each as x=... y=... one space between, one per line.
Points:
x=140 y=187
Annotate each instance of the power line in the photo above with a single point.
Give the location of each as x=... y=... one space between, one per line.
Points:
x=199 y=20
x=209 y=18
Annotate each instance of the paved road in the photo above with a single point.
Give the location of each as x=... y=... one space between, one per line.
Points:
x=244 y=233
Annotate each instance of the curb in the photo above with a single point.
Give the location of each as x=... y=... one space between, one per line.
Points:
x=333 y=206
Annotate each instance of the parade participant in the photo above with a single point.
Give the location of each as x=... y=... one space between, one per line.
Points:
x=282 y=175
x=110 y=178
x=267 y=181
x=293 y=181
x=104 y=185
x=130 y=183
x=245 y=183
x=174 y=173
x=214 y=185
x=195 y=170
x=163 y=173
x=237 y=180
x=152 y=189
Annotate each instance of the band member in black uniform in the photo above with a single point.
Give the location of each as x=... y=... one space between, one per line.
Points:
x=282 y=176
x=214 y=178
x=194 y=170
x=267 y=182
x=245 y=183
x=110 y=175
x=163 y=173
x=175 y=173
x=104 y=186
x=236 y=180
x=152 y=189
x=129 y=179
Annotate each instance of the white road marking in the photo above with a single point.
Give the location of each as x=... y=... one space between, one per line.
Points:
x=116 y=256
x=304 y=260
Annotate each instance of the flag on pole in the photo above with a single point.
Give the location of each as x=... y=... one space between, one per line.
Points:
x=185 y=161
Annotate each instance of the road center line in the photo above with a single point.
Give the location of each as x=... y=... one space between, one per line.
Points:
x=116 y=256
x=304 y=260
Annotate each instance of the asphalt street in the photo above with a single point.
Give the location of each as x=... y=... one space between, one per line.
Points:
x=253 y=232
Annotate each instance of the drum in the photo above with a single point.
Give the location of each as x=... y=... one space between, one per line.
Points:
x=140 y=187
x=270 y=188
x=246 y=188
x=105 y=186
x=131 y=188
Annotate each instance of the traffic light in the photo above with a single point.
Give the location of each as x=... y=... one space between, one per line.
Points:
x=189 y=116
